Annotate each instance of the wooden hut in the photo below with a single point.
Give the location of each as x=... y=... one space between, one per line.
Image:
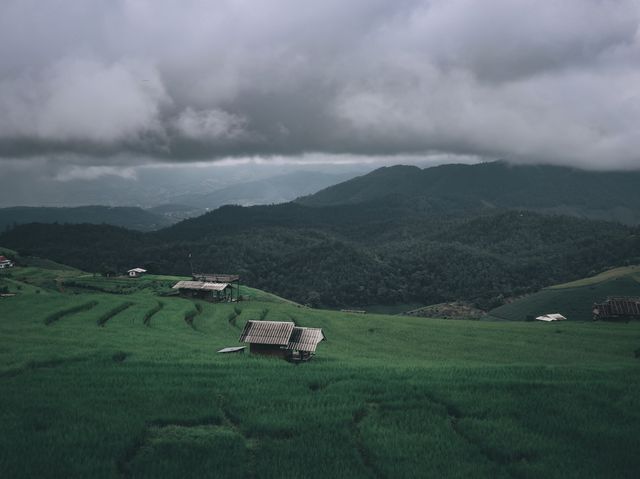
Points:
x=231 y=279
x=281 y=339
x=617 y=309
x=303 y=343
x=203 y=290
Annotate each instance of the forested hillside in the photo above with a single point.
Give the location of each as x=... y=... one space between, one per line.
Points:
x=327 y=256
x=551 y=189
x=127 y=217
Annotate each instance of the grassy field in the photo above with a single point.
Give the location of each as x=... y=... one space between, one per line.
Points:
x=109 y=378
x=611 y=274
x=573 y=300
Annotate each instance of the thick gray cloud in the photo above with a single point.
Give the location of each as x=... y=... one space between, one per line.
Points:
x=524 y=80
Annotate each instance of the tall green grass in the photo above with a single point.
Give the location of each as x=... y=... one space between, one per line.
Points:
x=386 y=396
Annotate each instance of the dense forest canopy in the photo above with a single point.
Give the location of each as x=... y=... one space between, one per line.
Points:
x=325 y=257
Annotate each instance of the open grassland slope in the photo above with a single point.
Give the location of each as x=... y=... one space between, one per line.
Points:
x=575 y=299
x=385 y=396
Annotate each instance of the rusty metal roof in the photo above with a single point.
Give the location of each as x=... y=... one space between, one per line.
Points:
x=200 y=285
x=267 y=332
x=305 y=339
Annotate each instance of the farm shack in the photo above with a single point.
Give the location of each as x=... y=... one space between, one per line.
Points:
x=136 y=272
x=303 y=342
x=231 y=279
x=215 y=292
x=281 y=339
x=617 y=309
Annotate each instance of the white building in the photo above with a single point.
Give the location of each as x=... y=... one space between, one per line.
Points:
x=136 y=272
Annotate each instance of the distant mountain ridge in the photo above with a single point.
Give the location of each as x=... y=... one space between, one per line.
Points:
x=124 y=216
x=272 y=190
x=613 y=196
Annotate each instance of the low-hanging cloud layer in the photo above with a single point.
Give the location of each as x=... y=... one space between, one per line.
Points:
x=525 y=80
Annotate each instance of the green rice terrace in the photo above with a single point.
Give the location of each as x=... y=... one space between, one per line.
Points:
x=574 y=300
x=112 y=378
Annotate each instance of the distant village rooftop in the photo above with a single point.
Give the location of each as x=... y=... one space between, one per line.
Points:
x=135 y=272
x=5 y=262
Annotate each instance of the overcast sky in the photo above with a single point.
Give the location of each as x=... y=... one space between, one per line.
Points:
x=112 y=82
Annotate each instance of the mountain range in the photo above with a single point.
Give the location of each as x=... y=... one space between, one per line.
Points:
x=611 y=196
x=126 y=216
x=399 y=235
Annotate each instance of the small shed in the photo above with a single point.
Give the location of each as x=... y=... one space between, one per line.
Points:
x=622 y=308
x=303 y=343
x=281 y=339
x=136 y=272
x=204 y=290
x=5 y=262
x=233 y=280
x=551 y=317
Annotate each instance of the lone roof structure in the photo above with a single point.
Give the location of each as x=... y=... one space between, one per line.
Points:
x=137 y=270
x=551 y=317
x=200 y=285
x=305 y=339
x=618 y=307
x=235 y=349
x=267 y=332
x=216 y=278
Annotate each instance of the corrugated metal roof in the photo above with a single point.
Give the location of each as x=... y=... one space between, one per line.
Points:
x=137 y=270
x=216 y=278
x=200 y=285
x=267 y=332
x=305 y=339
x=618 y=307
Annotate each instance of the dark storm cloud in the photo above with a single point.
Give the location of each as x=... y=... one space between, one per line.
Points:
x=519 y=79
